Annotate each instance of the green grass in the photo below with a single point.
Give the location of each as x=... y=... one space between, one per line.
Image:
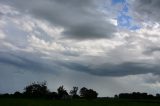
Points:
x=104 y=102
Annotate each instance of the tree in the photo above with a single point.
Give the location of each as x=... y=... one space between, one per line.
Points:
x=62 y=93
x=116 y=96
x=135 y=95
x=158 y=96
x=83 y=91
x=88 y=93
x=17 y=94
x=52 y=95
x=73 y=92
x=36 y=90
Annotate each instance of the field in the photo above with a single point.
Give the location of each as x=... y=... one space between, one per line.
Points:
x=106 y=102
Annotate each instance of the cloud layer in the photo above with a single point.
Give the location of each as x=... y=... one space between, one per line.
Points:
x=74 y=39
x=79 y=19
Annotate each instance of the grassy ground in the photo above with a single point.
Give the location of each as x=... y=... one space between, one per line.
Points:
x=106 y=102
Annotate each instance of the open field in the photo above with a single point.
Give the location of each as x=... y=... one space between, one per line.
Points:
x=104 y=102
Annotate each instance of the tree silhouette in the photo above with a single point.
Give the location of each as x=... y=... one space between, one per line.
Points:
x=88 y=93
x=83 y=91
x=62 y=93
x=136 y=95
x=73 y=92
x=40 y=90
x=36 y=90
x=17 y=94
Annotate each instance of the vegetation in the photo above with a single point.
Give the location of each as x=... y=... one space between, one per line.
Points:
x=37 y=94
x=36 y=90
x=137 y=95
x=40 y=90
x=74 y=93
x=88 y=93
x=79 y=102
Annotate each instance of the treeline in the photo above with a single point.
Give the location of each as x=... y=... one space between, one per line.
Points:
x=137 y=95
x=40 y=90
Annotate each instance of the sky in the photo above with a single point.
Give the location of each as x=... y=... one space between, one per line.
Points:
x=111 y=46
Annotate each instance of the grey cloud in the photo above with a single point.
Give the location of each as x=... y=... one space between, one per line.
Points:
x=15 y=36
x=89 y=30
x=147 y=9
x=80 y=19
x=151 y=50
x=27 y=62
x=113 y=70
x=35 y=64
x=152 y=80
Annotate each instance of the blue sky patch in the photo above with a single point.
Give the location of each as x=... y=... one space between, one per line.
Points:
x=117 y=1
x=123 y=19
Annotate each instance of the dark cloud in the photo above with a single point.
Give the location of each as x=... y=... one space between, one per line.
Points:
x=80 y=19
x=151 y=50
x=113 y=70
x=35 y=64
x=147 y=9
x=31 y=51
x=90 y=30
x=25 y=62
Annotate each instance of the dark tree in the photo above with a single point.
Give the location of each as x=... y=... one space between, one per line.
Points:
x=115 y=96
x=52 y=95
x=88 y=93
x=18 y=94
x=36 y=90
x=73 y=92
x=62 y=93
x=83 y=91
x=135 y=95
x=158 y=96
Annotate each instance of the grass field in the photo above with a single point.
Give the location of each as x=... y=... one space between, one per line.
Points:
x=106 y=102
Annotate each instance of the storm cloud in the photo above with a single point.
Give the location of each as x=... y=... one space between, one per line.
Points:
x=79 y=19
x=144 y=10
x=80 y=42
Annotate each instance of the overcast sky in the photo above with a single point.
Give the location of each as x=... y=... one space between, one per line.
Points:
x=112 y=46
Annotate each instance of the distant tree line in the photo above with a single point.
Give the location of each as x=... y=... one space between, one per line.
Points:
x=137 y=95
x=40 y=90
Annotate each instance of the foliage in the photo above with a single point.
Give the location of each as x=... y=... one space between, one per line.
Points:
x=40 y=90
x=36 y=90
x=88 y=93
x=62 y=93
x=79 y=102
x=137 y=95
x=73 y=92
